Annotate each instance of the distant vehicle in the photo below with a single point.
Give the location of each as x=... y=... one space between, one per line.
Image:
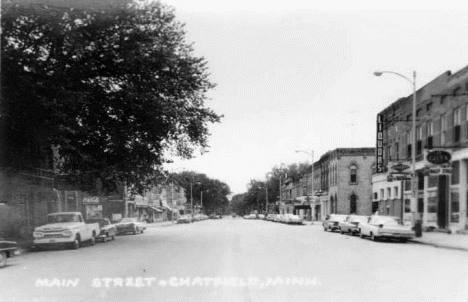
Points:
x=184 y=219
x=250 y=216
x=277 y=218
x=261 y=216
x=385 y=227
x=270 y=217
x=65 y=228
x=8 y=249
x=108 y=230
x=332 y=221
x=130 y=225
x=293 y=219
x=350 y=225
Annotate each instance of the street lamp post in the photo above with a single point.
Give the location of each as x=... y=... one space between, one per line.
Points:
x=413 y=142
x=312 y=181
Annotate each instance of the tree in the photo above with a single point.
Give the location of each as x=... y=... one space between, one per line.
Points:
x=110 y=91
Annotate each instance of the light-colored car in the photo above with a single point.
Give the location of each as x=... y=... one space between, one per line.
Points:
x=184 y=219
x=108 y=230
x=277 y=218
x=67 y=228
x=261 y=216
x=331 y=222
x=270 y=217
x=130 y=225
x=385 y=227
x=351 y=224
x=293 y=219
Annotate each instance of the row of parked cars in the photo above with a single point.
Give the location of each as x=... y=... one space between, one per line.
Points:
x=375 y=227
x=191 y=218
x=283 y=218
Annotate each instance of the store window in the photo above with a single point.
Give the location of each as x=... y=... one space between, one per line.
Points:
x=455 y=172
x=432 y=204
x=395 y=190
x=433 y=181
x=382 y=194
x=455 y=207
x=389 y=193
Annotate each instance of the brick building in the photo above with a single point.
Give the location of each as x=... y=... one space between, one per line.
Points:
x=342 y=178
x=440 y=198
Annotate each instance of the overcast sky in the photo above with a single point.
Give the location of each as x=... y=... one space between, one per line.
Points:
x=291 y=75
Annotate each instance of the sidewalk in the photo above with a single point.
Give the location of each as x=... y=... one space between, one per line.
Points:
x=442 y=240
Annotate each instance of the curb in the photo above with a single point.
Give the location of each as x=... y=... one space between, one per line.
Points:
x=444 y=246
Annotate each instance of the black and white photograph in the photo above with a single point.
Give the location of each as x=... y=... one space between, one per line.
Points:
x=224 y=151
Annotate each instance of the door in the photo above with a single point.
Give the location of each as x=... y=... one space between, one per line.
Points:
x=442 y=202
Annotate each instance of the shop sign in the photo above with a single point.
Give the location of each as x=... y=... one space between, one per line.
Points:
x=438 y=157
x=91 y=200
x=400 y=167
x=379 y=148
x=398 y=177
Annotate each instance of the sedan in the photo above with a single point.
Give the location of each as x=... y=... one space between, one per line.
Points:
x=277 y=218
x=350 y=225
x=184 y=219
x=130 y=225
x=292 y=219
x=108 y=230
x=385 y=227
x=331 y=222
x=270 y=217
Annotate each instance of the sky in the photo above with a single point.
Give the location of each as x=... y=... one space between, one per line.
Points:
x=292 y=75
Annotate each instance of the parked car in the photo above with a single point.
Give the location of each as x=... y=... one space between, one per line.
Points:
x=184 y=219
x=277 y=218
x=261 y=216
x=65 y=228
x=270 y=217
x=8 y=249
x=331 y=222
x=385 y=227
x=129 y=225
x=350 y=225
x=292 y=219
x=108 y=230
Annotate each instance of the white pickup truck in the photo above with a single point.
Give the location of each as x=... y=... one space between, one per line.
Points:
x=65 y=228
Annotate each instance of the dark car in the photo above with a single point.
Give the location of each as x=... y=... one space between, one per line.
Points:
x=108 y=230
x=8 y=249
x=331 y=222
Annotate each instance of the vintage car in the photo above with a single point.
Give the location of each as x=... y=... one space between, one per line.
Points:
x=293 y=219
x=8 y=249
x=350 y=225
x=184 y=219
x=331 y=222
x=130 y=225
x=270 y=217
x=65 y=228
x=385 y=227
x=108 y=230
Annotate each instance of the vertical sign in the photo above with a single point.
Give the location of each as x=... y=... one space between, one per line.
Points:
x=379 y=149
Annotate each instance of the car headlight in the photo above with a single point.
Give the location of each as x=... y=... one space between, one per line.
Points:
x=38 y=234
x=67 y=233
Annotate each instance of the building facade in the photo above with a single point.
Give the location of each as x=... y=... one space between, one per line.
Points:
x=437 y=196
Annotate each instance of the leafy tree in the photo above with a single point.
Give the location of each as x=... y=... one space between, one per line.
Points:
x=109 y=91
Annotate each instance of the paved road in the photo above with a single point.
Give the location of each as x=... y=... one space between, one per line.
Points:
x=239 y=260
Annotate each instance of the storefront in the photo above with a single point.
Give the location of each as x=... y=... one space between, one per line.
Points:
x=93 y=207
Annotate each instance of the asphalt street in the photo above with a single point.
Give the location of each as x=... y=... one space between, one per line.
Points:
x=238 y=260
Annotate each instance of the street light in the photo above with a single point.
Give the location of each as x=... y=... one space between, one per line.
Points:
x=413 y=149
x=312 y=177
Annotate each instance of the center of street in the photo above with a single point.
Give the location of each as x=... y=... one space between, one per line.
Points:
x=238 y=260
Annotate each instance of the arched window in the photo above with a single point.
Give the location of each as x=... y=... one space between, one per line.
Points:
x=352 y=206
x=332 y=204
x=353 y=173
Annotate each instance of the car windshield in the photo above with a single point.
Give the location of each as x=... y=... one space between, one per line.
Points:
x=60 y=218
x=388 y=221
x=125 y=220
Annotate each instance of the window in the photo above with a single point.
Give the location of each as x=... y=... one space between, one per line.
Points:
x=397 y=151
x=418 y=112
x=433 y=181
x=382 y=194
x=376 y=196
x=432 y=203
x=430 y=132
x=455 y=207
x=353 y=174
x=456 y=124
x=455 y=173
x=443 y=129
x=429 y=107
x=352 y=205
x=389 y=193
x=395 y=190
x=407 y=205
x=408 y=117
x=419 y=135
x=409 y=140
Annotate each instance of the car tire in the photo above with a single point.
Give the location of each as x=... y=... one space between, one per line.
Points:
x=92 y=241
x=361 y=234
x=341 y=231
x=373 y=237
x=3 y=259
x=76 y=243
